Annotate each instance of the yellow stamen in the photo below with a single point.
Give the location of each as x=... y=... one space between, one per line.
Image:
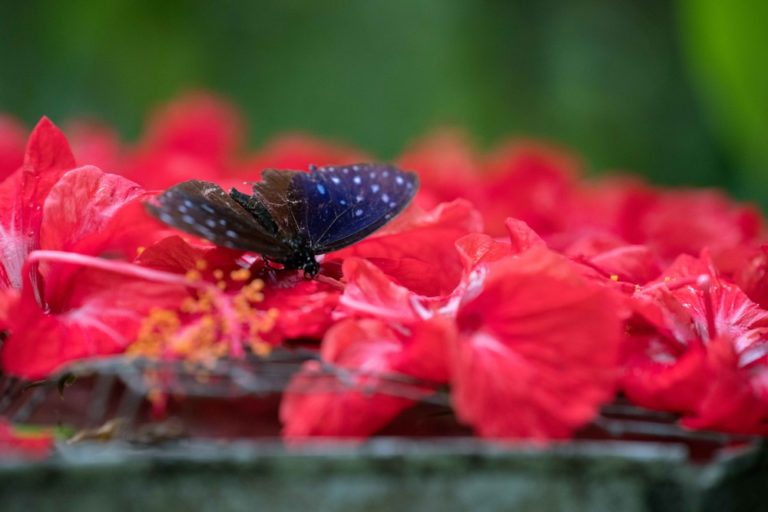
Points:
x=242 y=274
x=193 y=275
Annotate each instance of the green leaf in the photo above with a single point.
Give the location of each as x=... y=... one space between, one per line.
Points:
x=726 y=43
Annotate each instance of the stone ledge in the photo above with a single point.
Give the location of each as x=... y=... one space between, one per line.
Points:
x=383 y=474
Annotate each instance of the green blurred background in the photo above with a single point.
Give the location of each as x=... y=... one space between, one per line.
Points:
x=676 y=90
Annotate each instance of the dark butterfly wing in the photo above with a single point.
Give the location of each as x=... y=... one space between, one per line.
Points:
x=278 y=197
x=345 y=204
x=204 y=209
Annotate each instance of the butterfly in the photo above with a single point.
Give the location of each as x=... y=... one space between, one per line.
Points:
x=291 y=216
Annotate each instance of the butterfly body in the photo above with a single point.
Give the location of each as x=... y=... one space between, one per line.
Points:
x=291 y=216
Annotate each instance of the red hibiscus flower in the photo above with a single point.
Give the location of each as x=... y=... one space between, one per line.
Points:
x=667 y=222
x=529 y=181
x=537 y=349
x=612 y=206
x=222 y=315
x=695 y=340
x=66 y=311
x=196 y=124
x=193 y=137
x=685 y=222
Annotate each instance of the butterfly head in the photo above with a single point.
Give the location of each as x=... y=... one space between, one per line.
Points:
x=303 y=258
x=311 y=267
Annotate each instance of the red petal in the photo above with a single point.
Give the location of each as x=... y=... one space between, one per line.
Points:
x=13 y=136
x=537 y=351
x=8 y=298
x=684 y=222
x=371 y=292
x=529 y=181
x=47 y=156
x=174 y=254
x=418 y=251
x=198 y=125
x=304 y=309
x=318 y=404
x=160 y=170
x=669 y=359
x=22 y=194
x=95 y=143
x=663 y=383
x=425 y=352
x=92 y=313
x=636 y=264
x=737 y=398
x=476 y=248
x=82 y=203
x=747 y=266
x=447 y=166
x=522 y=237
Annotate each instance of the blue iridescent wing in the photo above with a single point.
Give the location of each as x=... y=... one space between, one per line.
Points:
x=344 y=204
